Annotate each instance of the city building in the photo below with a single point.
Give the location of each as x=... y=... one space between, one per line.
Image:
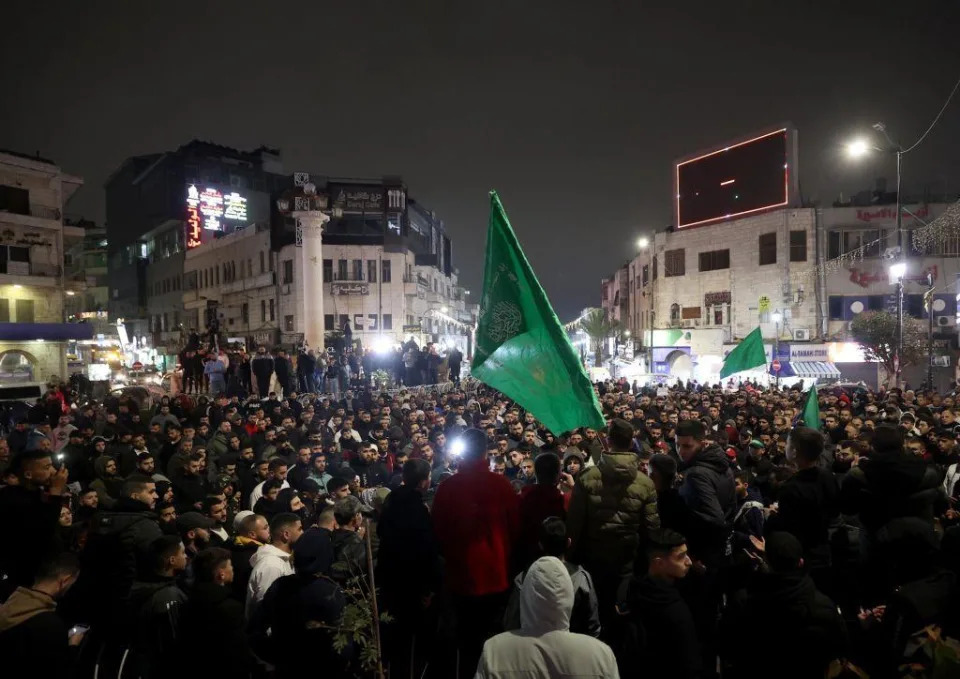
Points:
x=149 y=200
x=85 y=263
x=34 y=336
x=386 y=274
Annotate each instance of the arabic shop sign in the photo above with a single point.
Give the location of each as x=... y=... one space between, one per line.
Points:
x=207 y=209
x=349 y=288
x=358 y=198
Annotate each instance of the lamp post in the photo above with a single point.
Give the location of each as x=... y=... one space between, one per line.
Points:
x=930 y=310
x=643 y=243
x=857 y=149
x=777 y=317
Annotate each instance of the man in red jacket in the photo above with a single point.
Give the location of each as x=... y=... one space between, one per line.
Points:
x=538 y=502
x=476 y=521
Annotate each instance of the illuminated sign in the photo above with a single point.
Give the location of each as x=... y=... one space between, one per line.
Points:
x=208 y=209
x=194 y=232
x=235 y=207
x=734 y=181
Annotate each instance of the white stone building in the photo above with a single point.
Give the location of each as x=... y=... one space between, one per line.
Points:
x=694 y=292
x=33 y=285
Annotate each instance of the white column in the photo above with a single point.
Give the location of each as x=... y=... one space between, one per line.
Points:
x=310 y=224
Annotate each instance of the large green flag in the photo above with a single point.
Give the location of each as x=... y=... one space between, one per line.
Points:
x=522 y=349
x=811 y=409
x=748 y=354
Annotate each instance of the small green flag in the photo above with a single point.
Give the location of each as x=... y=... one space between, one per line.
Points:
x=522 y=350
x=811 y=409
x=748 y=354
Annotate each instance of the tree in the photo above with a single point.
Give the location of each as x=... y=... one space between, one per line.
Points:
x=876 y=332
x=598 y=328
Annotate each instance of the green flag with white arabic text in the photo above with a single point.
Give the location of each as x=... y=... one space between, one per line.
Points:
x=748 y=354
x=522 y=350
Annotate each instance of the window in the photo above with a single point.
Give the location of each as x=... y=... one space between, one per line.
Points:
x=655 y=265
x=385 y=272
x=328 y=322
x=798 y=246
x=4 y=310
x=327 y=270
x=250 y=267
x=271 y=311
x=263 y=311
x=288 y=323
x=674 y=313
x=714 y=260
x=674 y=263
x=646 y=275
x=217 y=274
x=245 y=313
x=358 y=321
x=344 y=322
x=358 y=269
x=371 y=271
x=288 y=271
x=718 y=314
x=388 y=321
x=768 y=249
x=871 y=242
x=263 y=263
x=373 y=322
x=913 y=306
x=341 y=270
x=835 y=303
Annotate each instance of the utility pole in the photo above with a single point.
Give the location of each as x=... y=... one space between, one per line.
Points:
x=928 y=303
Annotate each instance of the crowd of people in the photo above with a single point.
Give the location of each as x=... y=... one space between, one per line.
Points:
x=704 y=532
x=210 y=370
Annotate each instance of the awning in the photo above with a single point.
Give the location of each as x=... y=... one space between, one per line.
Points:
x=810 y=370
x=53 y=332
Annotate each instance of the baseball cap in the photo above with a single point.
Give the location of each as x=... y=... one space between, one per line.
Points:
x=191 y=520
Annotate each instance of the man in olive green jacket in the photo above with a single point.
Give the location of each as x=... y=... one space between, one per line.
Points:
x=612 y=507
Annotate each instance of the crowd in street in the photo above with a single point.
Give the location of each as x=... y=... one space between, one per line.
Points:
x=705 y=532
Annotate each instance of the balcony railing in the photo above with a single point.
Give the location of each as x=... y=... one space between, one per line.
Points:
x=41 y=211
x=29 y=269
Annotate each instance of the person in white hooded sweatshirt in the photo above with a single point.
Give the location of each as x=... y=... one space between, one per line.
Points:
x=273 y=561
x=544 y=647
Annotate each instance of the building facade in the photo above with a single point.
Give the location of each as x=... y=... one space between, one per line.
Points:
x=34 y=285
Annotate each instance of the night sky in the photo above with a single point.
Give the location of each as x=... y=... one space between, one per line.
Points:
x=574 y=111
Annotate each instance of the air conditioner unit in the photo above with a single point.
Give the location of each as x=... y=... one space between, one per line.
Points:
x=945 y=321
x=801 y=334
x=688 y=323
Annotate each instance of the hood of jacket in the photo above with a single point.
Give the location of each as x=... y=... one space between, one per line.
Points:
x=546 y=600
x=100 y=467
x=268 y=552
x=713 y=457
x=619 y=467
x=22 y=605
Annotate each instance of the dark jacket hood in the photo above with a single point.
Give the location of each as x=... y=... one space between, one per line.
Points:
x=713 y=457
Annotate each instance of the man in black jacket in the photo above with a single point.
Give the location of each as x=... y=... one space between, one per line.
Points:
x=215 y=617
x=262 y=368
x=281 y=365
x=794 y=630
x=118 y=547
x=709 y=491
x=661 y=640
x=32 y=512
x=408 y=565
x=808 y=502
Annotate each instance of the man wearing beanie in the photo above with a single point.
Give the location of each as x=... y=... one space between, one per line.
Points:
x=612 y=507
x=476 y=520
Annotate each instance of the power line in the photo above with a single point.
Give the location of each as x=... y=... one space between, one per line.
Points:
x=935 y=120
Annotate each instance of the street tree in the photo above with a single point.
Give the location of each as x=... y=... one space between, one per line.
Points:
x=876 y=333
x=598 y=328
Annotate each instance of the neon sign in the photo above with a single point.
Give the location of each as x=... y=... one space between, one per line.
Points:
x=208 y=209
x=194 y=232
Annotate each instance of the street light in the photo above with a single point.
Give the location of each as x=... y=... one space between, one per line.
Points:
x=858 y=148
x=643 y=243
